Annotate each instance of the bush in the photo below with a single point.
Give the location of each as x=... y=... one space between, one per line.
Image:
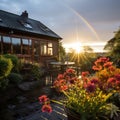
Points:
x=14 y=60
x=5 y=67
x=15 y=78
x=36 y=71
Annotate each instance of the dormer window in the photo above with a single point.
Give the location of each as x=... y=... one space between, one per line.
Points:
x=27 y=25
x=44 y=28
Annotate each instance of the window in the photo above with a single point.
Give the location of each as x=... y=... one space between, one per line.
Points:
x=6 y=45
x=43 y=49
x=16 y=45
x=30 y=46
x=46 y=49
x=44 y=28
x=25 y=46
x=27 y=25
x=50 y=49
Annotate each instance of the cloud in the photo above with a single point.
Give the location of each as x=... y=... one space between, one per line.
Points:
x=98 y=10
x=60 y=16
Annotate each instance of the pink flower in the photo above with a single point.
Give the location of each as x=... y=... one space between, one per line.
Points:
x=46 y=108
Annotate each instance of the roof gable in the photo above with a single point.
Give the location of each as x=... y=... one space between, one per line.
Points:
x=25 y=24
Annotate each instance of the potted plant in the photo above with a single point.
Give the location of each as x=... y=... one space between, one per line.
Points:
x=87 y=96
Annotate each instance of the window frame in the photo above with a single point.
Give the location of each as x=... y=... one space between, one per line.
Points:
x=45 y=48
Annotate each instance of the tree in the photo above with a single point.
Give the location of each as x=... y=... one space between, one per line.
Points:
x=113 y=46
x=87 y=49
x=62 y=52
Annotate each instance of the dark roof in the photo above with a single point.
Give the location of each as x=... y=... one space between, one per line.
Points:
x=24 y=24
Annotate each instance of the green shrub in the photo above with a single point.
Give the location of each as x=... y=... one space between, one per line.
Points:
x=5 y=67
x=15 y=78
x=14 y=60
x=36 y=72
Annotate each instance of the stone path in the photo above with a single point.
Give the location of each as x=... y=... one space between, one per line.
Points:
x=27 y=109
x=36 y=114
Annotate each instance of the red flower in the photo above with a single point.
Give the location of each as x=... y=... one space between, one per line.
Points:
x=117 y=77
x=103 y=59
x=108 y=64
x=72 y=80
x=97 y=67
x=117 y=83
x=60 y=76
x=46 y=108
x=90 y=87
x=67 y=77
x=112 y=68
x=63 y=88
x=84 y=74
x=43 y=98
x=62 y=81
x=111 y=80
x=70 y=70
x=94 y=80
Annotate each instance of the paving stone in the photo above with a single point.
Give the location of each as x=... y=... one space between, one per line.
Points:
x=57 y=114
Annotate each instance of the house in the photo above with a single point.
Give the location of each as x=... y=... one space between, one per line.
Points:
x=27 y=38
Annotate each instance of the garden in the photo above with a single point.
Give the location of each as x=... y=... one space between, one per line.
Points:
x=93 y=96
x=20 y=84
x=91 y=92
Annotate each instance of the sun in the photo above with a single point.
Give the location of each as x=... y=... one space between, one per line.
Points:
x=78 y=49
x=75 y=46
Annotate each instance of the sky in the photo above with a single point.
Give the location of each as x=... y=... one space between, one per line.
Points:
x=78 y=22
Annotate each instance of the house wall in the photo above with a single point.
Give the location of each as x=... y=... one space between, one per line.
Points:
x=35 y=50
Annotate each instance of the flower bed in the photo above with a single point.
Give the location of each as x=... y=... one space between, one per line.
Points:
x=89 y=96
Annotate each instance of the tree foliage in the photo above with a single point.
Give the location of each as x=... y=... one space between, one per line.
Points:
x=113 y=46
x=87 y=49
x=61 y=52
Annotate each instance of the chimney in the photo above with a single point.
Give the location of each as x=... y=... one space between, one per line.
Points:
x=24 y=14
